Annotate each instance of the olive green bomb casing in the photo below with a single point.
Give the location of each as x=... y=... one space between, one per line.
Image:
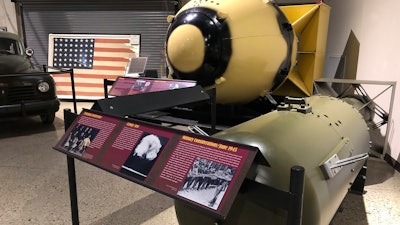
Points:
x=325 y=135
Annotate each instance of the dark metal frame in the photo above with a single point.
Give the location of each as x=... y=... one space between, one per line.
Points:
x=69 y=118
x=386 y=116
x=194 y=94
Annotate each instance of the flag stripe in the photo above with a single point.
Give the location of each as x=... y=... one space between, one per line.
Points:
x=113 y=45
x=109 y=68
x=99 y=74
x=78 y=80
x=80 y=84
x=122 y=65
x=81 y=94
x=91 y=74
x=99 y=49
x=115 y=54
x=110 y=59
x=119 y=41
x=83 y=89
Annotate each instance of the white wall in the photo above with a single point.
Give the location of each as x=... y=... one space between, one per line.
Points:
x=7 y=16
x=376 y=26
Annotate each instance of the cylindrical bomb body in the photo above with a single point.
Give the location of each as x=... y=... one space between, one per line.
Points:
x=242 y=48
x=296 y=137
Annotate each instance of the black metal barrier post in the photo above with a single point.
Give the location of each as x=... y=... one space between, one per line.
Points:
x=72 y=190
x=106 y=83
x=69 y=117
x=295 y=208
x=267 y=196
x=359 y=183
x=213 y=100
x=71 y=74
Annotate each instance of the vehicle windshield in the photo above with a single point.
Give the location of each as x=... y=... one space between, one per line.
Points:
x=10 y=47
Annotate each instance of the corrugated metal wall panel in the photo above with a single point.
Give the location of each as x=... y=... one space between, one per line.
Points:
x=92 y=2
x=147 y=18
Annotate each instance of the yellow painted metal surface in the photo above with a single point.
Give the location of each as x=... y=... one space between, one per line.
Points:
x=310 y=23
x=258 y=48
x=187 y=48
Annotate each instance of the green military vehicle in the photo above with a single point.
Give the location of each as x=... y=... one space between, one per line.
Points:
x=25 y=90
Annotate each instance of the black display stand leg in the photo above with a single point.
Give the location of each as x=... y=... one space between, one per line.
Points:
x=72 y=190
x=69 y=117
x=359 y=183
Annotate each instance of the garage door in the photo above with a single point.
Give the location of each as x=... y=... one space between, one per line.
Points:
x=144 y=17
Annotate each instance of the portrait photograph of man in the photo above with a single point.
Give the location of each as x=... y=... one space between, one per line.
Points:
x=143 y=156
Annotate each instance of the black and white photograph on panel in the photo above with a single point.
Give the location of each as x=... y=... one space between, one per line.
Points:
x=136 y=66
x=144 y=155
x=140 y=86
x=206 y=182
x=80 y=139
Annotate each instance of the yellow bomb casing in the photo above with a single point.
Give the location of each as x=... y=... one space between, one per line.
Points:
x=261 y=55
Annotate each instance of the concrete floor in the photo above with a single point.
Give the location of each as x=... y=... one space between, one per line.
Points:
x=34 y=186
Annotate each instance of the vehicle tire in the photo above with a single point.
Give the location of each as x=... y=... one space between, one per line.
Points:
x=48 y=118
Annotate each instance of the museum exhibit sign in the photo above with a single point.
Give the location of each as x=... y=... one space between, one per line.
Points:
x=201 y=171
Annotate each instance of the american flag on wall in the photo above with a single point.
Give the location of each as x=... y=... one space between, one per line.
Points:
x=93 y=58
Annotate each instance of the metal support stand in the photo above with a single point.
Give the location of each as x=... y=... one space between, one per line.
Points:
x=72 y=190
x=213 y=95
x=69 y=117
x=71 y=75
x=291 y=201
x=355 y=86
x=359 y=183
x=106 y=83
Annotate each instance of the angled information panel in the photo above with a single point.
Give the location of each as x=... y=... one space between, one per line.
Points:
x=145 y=102
x=202 y=171
x=131 y=85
